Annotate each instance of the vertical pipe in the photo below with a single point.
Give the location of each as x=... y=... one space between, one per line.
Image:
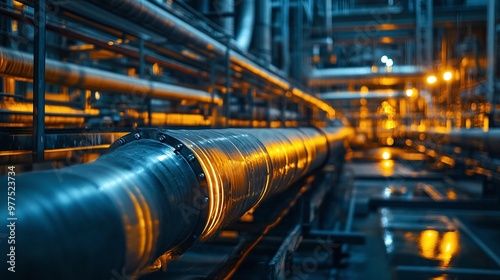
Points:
x=283 y=108
x=142 y=73
x=429 y=34
x=39 y=83
x=251 y=104
x=263 y=29
x=227 y=99
x=490 y=49
x=285 y=36
x=212 y=92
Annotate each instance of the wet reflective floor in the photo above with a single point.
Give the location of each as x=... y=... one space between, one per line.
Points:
x=412 y=242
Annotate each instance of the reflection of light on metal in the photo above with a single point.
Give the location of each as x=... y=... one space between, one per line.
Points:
x=421 y=136
x=386 y=155
x=431 y=79
x=388 y=241
x=386 y=40
x=387 y=192
x=447 y=76
x=387 y=167
x=433 y=247
x=390 y=141
x=451 y=194
x=364 y=89
x=428 y=242
x=408 y=142
x=447 y=160
x=448 y=248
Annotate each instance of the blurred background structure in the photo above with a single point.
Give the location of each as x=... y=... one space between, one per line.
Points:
x=347 y=139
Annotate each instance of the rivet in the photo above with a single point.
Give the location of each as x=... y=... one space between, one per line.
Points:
x=201 y=176
x=137 y=136
x=179 y=146
x=161 y=137
x=121 y=141
x=191 y=157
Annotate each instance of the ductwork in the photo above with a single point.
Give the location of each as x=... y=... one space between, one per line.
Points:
x=334 y=76
x=19 y=64
x=158 y=191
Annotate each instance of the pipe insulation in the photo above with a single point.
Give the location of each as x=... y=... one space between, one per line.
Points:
x=156 y=191
x=19 y=64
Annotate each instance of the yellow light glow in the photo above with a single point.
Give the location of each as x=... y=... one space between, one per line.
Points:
x=364 y=89
x=431 y=79
x=409 y=92
x=386 y=155
x=428 y=242
x=97 y=95
x=447 y=76
x=390 y=141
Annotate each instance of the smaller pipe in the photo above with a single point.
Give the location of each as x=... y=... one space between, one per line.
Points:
x=19 y=64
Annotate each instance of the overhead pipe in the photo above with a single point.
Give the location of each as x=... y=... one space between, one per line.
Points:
x=356 y=95
x=19 y=64
x=333 y=76
x=157 y=191
x=149 y=15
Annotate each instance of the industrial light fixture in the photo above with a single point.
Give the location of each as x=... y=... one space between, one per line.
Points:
x=431 y=79
x=447 y=75
x=389 y=62
x=409 y=92
x=384 y=59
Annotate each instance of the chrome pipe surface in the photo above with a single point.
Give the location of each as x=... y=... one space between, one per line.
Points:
x=154 y=194
x=114 y=215
x=19 y=64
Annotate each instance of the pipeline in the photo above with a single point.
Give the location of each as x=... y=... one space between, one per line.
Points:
x=335 y=76
x=19 y=64
x=149 y=15
x=157 y=191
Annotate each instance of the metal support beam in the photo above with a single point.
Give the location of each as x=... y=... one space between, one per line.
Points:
x=423 y=203
x=227 y=97
x=39 y=83
x=142 y=74
x=490 y=49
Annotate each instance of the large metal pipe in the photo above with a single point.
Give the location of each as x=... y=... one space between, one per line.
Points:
x=19 y=64
x=157 y=191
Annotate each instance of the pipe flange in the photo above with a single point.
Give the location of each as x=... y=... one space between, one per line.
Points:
x=201 y=200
